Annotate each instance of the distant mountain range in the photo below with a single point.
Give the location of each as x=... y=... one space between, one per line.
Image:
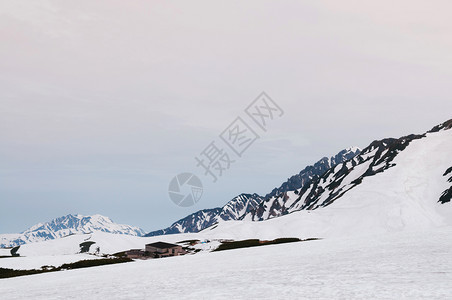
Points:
x=65 y=226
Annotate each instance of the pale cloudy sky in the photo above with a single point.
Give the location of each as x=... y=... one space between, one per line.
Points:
x=103 y=102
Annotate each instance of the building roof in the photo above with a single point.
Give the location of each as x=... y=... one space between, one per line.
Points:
x=162 y=245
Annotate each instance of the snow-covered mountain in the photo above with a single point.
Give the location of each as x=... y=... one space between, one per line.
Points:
x=315 y=186
x=65 y=226
x=244 y=204
x=235 y=209
x=324 y=189
x=319 y=168
x=191 y=223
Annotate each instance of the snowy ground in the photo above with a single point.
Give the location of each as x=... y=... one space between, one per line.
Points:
x=36 y=262
x=398 y=265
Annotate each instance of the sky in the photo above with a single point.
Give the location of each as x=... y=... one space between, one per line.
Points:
x=103 y=102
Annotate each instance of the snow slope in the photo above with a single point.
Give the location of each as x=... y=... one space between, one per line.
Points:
x=404 y=197
x=397 y=265
x=36 y=262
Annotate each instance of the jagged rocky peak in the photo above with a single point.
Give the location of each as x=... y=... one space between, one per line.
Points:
x=245 y=204
x=235 y=209
x=307 y=174
x=192 y=223
x=443 y=126
x=239 y=206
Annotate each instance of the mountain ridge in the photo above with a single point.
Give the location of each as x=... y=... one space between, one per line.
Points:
x=318 y=185
x=238 y=207
x=65 y=226
x=235 y=209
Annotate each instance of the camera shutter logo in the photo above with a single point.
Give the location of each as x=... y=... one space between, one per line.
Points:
x=185 y=189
